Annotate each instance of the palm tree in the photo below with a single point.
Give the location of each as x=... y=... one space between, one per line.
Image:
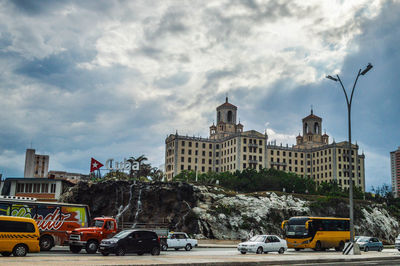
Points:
x=139 y=159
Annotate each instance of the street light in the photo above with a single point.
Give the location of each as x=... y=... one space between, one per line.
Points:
x=368 y=68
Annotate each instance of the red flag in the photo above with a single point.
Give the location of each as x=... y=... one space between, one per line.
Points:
x=94 y=165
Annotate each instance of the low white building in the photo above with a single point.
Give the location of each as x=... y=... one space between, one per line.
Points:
x=40 y=188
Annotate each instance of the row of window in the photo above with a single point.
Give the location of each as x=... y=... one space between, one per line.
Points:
x=35 y=188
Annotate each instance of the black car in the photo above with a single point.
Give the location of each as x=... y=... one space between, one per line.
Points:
x=131 y=241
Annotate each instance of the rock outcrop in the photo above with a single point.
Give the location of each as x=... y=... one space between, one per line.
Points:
x=212 y=212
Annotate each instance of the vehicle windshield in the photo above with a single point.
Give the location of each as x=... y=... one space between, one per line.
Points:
x=97 y=223
x=122 y=234
x=257 y=239
x=363 y=239
x=297 y=230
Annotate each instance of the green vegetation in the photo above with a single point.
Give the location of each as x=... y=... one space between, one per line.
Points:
x=250 y=180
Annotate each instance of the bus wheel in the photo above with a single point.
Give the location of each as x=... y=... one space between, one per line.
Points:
x=20 y=250
x=340 y=247
x=318 y=246
x=46 y=243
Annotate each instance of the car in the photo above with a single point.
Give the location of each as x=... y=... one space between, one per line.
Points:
x=131 y=241
x=263 y=244
x=367 y=243
x=178 y=240
x=397 y=243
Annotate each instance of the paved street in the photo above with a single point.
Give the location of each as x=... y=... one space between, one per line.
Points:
x=61 y=256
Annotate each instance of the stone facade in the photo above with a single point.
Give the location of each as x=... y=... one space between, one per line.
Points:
x=229 y=148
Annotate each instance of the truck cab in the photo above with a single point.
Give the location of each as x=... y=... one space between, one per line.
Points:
x=90 y=237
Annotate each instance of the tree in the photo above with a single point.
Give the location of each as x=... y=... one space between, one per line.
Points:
x=139 y=159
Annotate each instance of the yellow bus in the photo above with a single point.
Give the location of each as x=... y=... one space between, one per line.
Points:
x=318 y=233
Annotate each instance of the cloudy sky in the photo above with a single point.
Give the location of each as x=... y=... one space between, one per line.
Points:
x=111 y=79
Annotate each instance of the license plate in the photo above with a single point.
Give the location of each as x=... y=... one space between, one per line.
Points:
x=101 y=248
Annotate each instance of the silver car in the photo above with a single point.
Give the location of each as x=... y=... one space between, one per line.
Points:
x=263 y=244
x=397 y=243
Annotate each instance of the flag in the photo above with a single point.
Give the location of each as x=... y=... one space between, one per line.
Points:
x=94 y=165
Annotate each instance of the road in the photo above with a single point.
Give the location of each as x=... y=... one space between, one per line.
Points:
x=227 y=256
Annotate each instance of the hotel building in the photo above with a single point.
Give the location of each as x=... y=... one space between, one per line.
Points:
x=230 y=148
x=395 y=171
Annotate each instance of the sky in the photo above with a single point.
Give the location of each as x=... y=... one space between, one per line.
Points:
x=112 y=79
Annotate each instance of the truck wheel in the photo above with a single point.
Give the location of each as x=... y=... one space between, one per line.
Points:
x=188 y=247
x=20 y=250
x=105 y=253
x=155 y=251
x=92 y=246
x=75 y=249
x=46 y=243
x=164 y=247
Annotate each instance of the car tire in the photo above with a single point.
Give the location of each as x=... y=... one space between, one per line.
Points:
x=155 y=251
x=260 y=250
x=164 y=247
x=46 y=243
x=91 y=247
x=281 y=250
x=20 y=250
x=188 y=247
x=318 y=246
x=120 y=251
x=75 y=249
x=6 y=254
x=243 y=252
x=366 y=249
x=105 y=253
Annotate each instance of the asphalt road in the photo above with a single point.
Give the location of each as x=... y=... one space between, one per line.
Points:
x=223 y=256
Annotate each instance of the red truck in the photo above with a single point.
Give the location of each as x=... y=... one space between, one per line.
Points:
x=90 y=237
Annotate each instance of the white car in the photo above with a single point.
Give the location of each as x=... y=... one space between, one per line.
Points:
x=263 y=244
x=179 y=240
x=397 y=243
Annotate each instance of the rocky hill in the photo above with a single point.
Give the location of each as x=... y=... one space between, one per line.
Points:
x=212 y=212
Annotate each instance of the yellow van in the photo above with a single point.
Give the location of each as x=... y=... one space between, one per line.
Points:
x=18 y=235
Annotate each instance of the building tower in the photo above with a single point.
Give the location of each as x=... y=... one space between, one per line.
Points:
x=395 y=171
x=36 y=165
x=226 y=121
x=312 y=132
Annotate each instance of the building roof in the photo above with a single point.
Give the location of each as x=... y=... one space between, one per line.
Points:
x=226 y=104
x=312 y=116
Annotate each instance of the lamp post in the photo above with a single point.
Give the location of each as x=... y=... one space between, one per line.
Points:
x=360 y=73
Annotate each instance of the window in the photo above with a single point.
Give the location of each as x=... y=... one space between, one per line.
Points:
x=260 y=150
x=244 y=156
x=244 y=149
x=244 y=166
x=45 y=188
x=183 y=151
x=197 y=144
x=244 y=141
x=182 y=159
x=183 y=143
x=20 y=187
x=190 y=152
x=210 y=153
x=210 y=146
x=189 y=160
x=204 y=145
x=53 y=188
x=17 y=227
x=181 y=166
x=190 y=144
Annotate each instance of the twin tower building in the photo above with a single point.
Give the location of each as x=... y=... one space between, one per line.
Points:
x=230 y=148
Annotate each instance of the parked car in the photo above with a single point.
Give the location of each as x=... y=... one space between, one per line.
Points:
x=397 y=243
x=263 y=244
x=369 y=243
x=131 y=241
x=178 y=240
